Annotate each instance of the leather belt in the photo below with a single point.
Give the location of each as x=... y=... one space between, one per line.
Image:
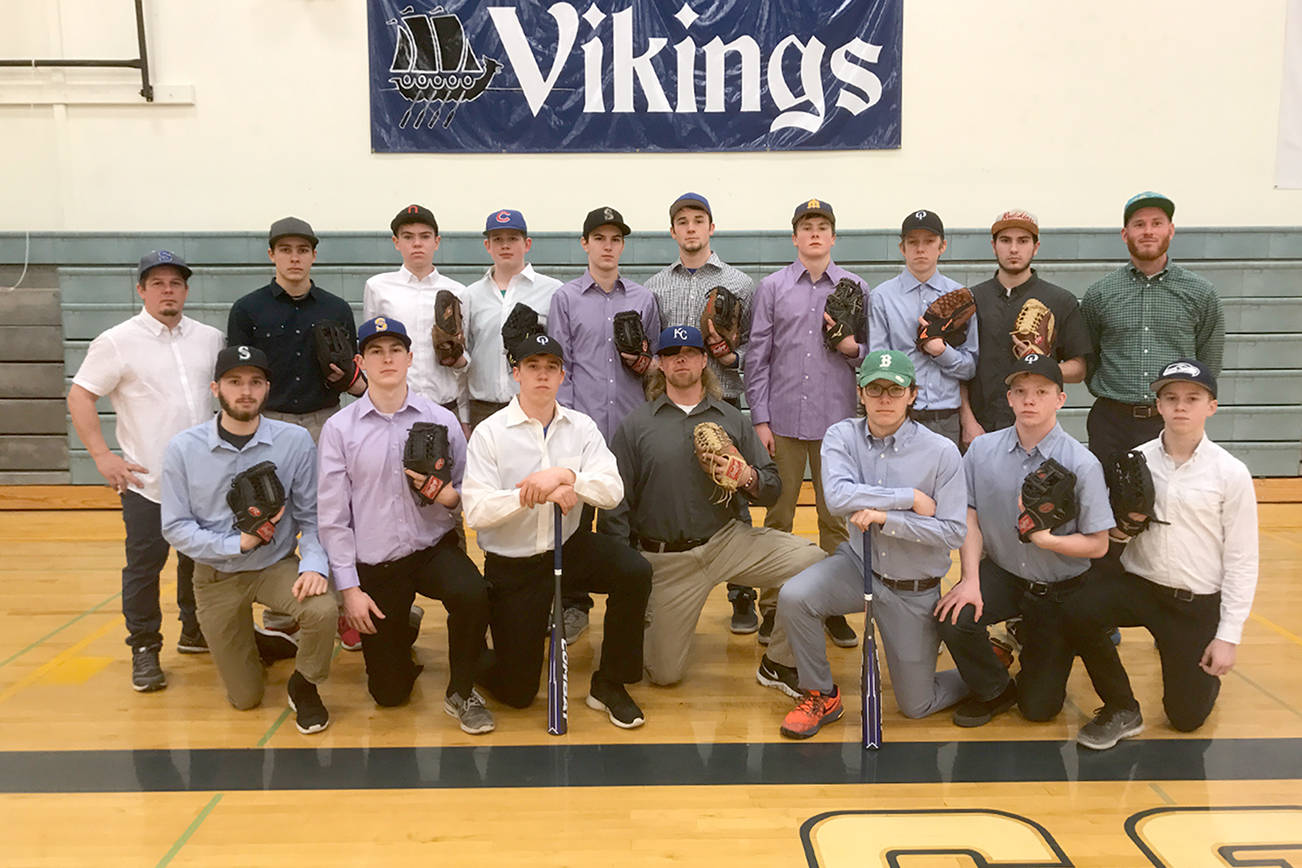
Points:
x=1184 y=595
x=931 y=415
x=659 y=546
x=906 y=585
x=1042 y=589
x=1134 y=411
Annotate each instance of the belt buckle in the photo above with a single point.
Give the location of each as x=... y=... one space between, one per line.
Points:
x=1039 y=589
x=1184 y=595
x=1144 y=411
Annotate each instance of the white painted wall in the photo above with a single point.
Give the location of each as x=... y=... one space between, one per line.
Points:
x=1065 y=108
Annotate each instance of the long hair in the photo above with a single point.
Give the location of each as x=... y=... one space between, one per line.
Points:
x=655 y=384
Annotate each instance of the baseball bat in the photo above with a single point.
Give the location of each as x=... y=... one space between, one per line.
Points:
x=870 y=687
x=558 y=664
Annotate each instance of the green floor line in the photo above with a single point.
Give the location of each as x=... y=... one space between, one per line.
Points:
x=1162 y=794
x=262 y=742
x=58 y=630
x=190 y=830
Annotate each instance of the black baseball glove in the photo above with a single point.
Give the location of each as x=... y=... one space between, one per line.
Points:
x=630 y=339
x=520 y=323
x=255 y=497
x=1130 y=490
x=426 y=452
x=333 y=345
x=1048 y=499
x=845 y=307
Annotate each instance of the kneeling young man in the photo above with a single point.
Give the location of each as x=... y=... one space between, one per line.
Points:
x=890 y=471
x=234 y=569
x=689 y=529
x=1188 y=580
x=1038 y=579
x=387 y=542
x=521 y=460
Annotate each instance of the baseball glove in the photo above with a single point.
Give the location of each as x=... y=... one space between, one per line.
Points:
x=630 y=339
x=1130 y=490
x=333 y=345
x=947 y=318
x=426 y=452
x=723 y=311
x=709 y=440
x=1035 y=326
x=449 y=338
x=520 y=323
x=255 y=497
x=1048 y=499
x=845 y=307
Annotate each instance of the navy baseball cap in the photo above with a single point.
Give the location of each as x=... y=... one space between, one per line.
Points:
x=506 y=219
x=238 y=357
x=378 y=327
x=690 y=200
x=538 y=345
x=155 y=258
x=291 y=226
x=414 y=214
x=1034 y=363
x=1185 y=371
x=680 y=336
x=1147 y=199
x=923 y=219
x=815 y=207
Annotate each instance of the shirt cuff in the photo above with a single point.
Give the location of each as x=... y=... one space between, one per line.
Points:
x=344 y=578
x=1230 y=632
x=314 y=564
x=230 y=546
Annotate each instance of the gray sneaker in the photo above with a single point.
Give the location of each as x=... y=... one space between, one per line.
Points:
x=575 y=622
x=471 y=713
x=1108 y=727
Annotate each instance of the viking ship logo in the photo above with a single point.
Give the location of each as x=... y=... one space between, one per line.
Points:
x=434 y=67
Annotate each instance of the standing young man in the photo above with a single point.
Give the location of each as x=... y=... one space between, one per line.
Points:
x=897 y=308
x=510 y=280
x=520 y=462
x=154 y=369
x=1188 y=580
x=235 y=569
x=796 y=387
x=386 y=544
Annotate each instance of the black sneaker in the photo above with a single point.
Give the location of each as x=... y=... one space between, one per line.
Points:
x=766 y=628
x=744 y=618
x=978 y=712
x=778 y=676
x=274 y=645
x=311 y=715
x=192 y=642
x=842 y=633
x=615 y=701
x=146 y=672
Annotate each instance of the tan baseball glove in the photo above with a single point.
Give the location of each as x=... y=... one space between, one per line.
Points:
x=1034 y=326
x=710 y=441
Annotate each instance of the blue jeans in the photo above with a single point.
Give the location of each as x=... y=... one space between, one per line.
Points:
x=146 y=553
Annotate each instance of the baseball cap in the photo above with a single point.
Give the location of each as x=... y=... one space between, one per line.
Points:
x=538 y=345
x=1034 y=363
x=1016 y=219
x=680 y=336
x=690 y=200
x=890 y=365
x=602 y=216
x=1185 y=371
x=378 y=327
x=155 y=258
x=923 y=219
x=238 y=357
x=506 y=219
x=287 y=226
x=414 y=214
x=815 y=207
x=1147 y=199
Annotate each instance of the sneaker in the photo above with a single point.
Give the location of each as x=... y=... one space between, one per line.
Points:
x=350 y=639
x=978 y=712
x=414 y=619
x=744 y=618
x=615 y=701
x=778 y=676
x=1004 y=650
x=192 y=641
x=1115 y=636
x=274 y=645
x=766 y=628
x=311 y=715
x=812 y=712
x=146 y=672
x=842 y=633
x=471 y=713
x=575 y=621
x=1110 y=726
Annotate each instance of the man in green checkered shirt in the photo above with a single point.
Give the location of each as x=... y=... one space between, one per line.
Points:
x=1140 y=317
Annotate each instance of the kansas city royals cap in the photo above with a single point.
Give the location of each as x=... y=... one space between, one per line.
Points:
x=690 y=200
x=239 y=357
x=892 y=366
x=680 y=336
x=814 y=207
x=603 y=216
x=287 y=226
x=378 y=327
x=505 y=219
x=414 y=214
x=538 y=345
x=1185 y=371
x=1148 y=199
x=923 y=219
x=1034 y=363
x=155 y=258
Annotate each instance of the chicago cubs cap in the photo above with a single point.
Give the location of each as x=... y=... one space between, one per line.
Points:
x=1185 y=371
x=1034 y=363
x=890 y=365
x=680 y=336
x=155 y=258
x=287 y=226
x=923 y=219
x=814 y=207
x=1147 y=199
x=378 y=327
x=506 y=219
x=603 y=216
x=414 y=214
x=1016 y=219
x=239 y=357
x=690 y=200
x=538 y=345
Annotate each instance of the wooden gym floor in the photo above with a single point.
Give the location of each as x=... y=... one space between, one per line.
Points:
x=92 y=773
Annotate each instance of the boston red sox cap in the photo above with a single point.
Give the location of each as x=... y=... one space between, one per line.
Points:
x=414 y=214
x=238 y=357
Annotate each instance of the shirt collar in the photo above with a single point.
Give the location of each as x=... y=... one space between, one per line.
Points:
x=1048 y=440
x=527 y=274
x=833 y=273
x=663 y=401
x=215 y=441
x=901 y=438
x=1200 y=449
x=278 y=291
x=588 y=282
x=713 y=260
x=909 y=282
x=159 y=329
x=409 y=277
x=515 y=414
x=1161 y=274
x=369 y=407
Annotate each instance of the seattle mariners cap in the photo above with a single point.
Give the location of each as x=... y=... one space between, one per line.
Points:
x=678 y=337
x=538 y=345
x=1034 y=363
x=155 y=258
x=602 y=217
x=414 y=214
x=1185 y=371
x=816 y=208
x=287 y=226
x=690 y=200
x=239 y=357
x=505 y=219
x=378 y=327
x=923 y=219
x=1147 y=199
x=1016 y=219
x=892 y=366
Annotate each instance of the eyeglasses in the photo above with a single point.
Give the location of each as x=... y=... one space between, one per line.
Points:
x=876 y=390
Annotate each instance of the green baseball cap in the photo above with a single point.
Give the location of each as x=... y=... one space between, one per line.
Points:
x=890 y=365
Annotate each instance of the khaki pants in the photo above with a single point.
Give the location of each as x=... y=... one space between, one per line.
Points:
x=791 y=457
x=225 y=602
x=313 y=421
x=681 y=582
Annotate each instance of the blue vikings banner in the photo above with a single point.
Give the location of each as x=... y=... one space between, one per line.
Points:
x=634 y=75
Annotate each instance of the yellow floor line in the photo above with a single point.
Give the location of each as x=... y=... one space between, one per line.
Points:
x=1292 y=637
x=58 y=660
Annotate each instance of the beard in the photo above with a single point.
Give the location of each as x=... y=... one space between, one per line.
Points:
x=1014 y=269
x=1148 y=257
x=684 y=379
x=239 y=415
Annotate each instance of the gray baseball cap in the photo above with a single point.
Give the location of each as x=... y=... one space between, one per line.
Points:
x=287 y=226
x=155 y=258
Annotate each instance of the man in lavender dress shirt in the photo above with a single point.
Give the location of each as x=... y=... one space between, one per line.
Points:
x=384 y=545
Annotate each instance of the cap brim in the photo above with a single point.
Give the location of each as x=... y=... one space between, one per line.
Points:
x=406 y=339
x=1166 y=205
x=185 y=270
x=1156 y=385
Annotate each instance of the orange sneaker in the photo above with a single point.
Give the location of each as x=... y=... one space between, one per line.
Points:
x=812 y=711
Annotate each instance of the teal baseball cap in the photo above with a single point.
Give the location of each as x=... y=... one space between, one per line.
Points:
x=892 y=366
x=1148 y=199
